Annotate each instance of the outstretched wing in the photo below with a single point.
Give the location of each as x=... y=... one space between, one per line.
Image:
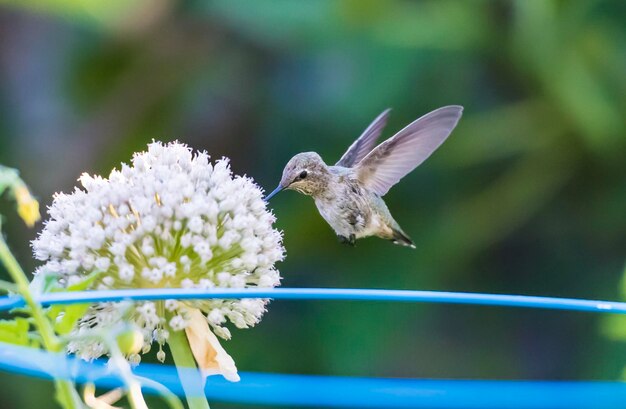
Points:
x=390 y=161
x=365 y=143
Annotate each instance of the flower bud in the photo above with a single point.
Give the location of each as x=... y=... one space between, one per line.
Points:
x=130 y=341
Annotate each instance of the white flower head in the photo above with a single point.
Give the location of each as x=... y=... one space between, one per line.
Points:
x=171 y=219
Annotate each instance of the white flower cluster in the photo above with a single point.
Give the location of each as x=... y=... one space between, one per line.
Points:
x=171 y=219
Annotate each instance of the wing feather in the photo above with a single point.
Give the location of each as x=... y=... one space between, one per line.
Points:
x=393 y=159
x=364 y=144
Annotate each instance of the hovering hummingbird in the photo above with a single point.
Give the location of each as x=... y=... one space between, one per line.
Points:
x=349 y=194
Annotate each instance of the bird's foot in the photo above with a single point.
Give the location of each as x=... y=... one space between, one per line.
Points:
x=351 y=241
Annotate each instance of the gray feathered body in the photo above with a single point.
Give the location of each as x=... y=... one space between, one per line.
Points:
x=354 y=211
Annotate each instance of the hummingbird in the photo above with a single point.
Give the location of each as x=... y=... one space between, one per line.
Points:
x=349 y=194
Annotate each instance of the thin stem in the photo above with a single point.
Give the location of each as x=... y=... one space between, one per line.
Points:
x=184 y=361
x=124 y=368
x=135 y=397
x=167 y=395
x=66 y=393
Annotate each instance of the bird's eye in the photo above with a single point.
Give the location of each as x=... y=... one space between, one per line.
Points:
x=303 y=174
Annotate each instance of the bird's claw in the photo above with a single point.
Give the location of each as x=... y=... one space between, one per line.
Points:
x=351 y=241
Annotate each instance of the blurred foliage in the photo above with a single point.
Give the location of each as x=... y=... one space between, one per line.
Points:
x=527 y=196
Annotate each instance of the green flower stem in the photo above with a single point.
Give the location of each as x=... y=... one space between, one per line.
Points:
x=184 y=360
x=66 y=393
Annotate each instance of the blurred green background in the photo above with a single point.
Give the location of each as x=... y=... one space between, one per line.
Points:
x=528 y=196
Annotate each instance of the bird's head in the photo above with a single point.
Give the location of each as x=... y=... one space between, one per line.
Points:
x=305 y=173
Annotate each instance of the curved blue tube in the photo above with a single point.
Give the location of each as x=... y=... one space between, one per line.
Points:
x=302 y=390
x=334 y=391
x=326 y=294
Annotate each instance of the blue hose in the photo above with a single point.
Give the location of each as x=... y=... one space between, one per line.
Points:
x=325 y=294
x=333 y=391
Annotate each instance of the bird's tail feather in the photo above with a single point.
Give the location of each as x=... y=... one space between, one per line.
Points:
x=399 y=237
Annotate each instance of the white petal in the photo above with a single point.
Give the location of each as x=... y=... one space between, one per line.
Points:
x=212 y=359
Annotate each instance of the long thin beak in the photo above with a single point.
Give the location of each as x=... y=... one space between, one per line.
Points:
x=278 y=189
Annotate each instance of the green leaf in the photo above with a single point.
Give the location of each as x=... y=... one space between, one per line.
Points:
x=6 y=286
x=65 y=317
x=8 y=177
x=70 y=317
x=83 y=285
x=50 y=283
x=15 y=331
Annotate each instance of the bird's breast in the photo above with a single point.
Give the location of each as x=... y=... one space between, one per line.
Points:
x=346 y=211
